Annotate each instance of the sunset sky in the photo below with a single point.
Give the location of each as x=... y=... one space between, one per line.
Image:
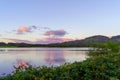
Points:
x=49 y=21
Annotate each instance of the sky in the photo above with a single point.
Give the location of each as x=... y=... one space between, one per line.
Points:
x=51 y=21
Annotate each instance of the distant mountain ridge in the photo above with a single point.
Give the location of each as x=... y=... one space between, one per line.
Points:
x=116 y=38
x=89 y=41
x=93 y=40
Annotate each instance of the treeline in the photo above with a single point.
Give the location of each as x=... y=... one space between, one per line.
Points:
x=20 y=45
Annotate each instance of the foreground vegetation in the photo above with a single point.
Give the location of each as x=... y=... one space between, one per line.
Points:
x=104 y=64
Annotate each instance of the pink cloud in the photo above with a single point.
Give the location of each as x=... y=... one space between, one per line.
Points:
x=52 y=40
x=23 y=29
x=18 y=40
x=40 y=41
x=55 y=33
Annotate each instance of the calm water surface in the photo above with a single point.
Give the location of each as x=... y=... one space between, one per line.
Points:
x=10 y=57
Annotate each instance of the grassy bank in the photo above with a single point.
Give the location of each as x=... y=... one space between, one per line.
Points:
x=8 y=47
x=103 y=65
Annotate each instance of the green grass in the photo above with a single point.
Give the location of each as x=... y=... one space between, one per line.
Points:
x=8 y=47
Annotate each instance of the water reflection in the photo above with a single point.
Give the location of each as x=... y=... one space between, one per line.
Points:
x=21 y=64
x=55 y=57
x=38 y=57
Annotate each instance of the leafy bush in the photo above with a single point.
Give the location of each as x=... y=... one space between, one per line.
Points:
x=103 y=49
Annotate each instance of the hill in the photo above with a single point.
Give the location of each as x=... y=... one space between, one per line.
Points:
x=116 y=38
x=89 y=41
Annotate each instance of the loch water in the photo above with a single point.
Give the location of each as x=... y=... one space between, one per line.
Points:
x=10 y=57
